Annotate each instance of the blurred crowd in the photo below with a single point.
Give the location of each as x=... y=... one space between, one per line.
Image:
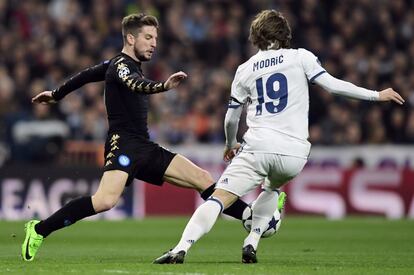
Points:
x=367 y=42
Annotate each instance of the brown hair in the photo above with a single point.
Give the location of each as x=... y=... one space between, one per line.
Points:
x=133 y=22
x=269 y=26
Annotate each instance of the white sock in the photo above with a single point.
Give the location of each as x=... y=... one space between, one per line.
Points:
x=263 y=210
x=200 y=223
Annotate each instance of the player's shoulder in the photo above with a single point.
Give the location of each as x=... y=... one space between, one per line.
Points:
x=119 y=60
x=296 y=52
x=246 y=65
x=305 y=53
x=114 y=61
x=240 y=71
x=121 y=65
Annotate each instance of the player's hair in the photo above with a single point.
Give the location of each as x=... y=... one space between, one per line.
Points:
x=131 y=24
x=270 y=29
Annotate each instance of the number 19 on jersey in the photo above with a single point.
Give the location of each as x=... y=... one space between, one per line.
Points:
x=280 y=94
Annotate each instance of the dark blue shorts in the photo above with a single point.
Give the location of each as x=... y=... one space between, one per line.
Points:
x=138 y=156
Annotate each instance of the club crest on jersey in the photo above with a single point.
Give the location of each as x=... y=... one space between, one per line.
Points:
x=124 y=160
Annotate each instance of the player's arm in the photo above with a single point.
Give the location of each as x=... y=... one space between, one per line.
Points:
x=136 y=83
x=344 y=88
x=92 y=74
x=317 y=74
x=238 y=98
x=231 y=125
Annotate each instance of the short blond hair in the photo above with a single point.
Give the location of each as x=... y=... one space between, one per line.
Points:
x=269 y=28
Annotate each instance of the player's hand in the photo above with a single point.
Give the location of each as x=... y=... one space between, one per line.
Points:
x=390 y=95
x=44 y=98
x=229 y=153
x=174 y=80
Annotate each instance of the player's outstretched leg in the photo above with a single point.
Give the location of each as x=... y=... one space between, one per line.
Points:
x=171 y=258
x=110 y=189
x=200 y=224
x=183 y=173
x=31 y=242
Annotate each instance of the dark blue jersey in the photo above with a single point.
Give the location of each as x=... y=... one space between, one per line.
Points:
x=126 y=92
x=126 y=95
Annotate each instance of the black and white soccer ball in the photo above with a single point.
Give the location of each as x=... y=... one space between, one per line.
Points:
x=272 y=228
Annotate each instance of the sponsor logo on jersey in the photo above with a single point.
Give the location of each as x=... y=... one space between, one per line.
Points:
x=124 y=160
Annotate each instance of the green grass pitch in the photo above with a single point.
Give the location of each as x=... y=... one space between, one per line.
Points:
x=302 y=246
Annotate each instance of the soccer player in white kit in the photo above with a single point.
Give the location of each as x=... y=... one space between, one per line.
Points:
x=274 y=85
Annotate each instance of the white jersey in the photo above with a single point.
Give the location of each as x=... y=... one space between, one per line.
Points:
x=274 y=83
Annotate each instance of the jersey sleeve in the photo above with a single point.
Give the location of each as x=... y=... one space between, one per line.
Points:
x=92 y=74
x=344 y=88
x=134 y=81
x=238 y=92
x=311 y=65
x=231 y=125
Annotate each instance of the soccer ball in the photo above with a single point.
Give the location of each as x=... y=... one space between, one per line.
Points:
x=272 y=228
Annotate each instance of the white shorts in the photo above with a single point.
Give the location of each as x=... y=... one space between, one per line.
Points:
x=249 y=170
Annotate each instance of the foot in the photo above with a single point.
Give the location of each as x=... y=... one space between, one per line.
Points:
x=32 y=241
x=281 y=201
x=249 y=255
x=171 y=258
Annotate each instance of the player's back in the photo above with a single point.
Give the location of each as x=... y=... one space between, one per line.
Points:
x=276 y=81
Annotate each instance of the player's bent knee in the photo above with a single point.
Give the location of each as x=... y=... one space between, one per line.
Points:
x=109 y=203
x=187 y=171
x=103 y=203
x=206 y=177
x=200 y=178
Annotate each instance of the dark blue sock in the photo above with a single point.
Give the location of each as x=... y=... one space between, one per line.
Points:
x=70 y=213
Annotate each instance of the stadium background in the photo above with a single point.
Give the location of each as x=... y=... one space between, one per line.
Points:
x=362 y=160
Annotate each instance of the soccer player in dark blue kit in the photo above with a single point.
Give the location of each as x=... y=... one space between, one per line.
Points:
x=129 y=153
